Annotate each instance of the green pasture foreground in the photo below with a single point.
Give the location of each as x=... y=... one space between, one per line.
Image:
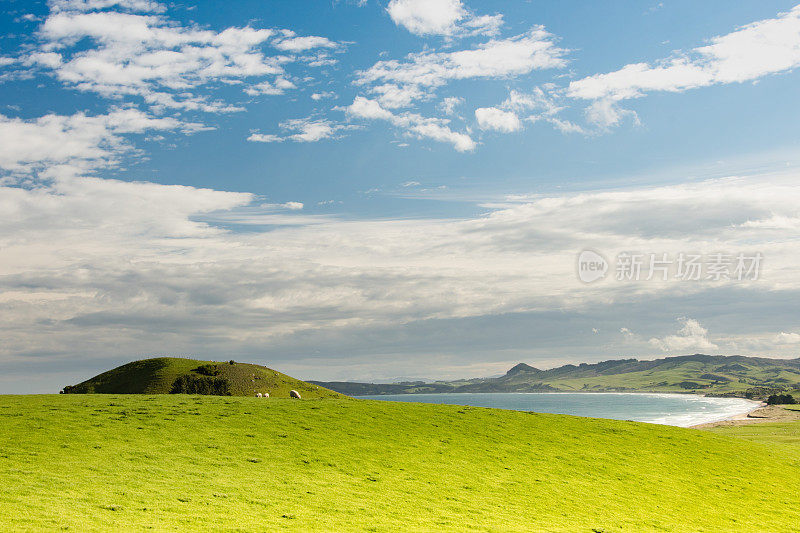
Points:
x=199 y=463
x=784 y=434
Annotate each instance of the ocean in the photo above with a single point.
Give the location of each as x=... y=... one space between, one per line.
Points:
x=671 y=409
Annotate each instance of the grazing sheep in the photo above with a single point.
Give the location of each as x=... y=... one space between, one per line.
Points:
x=266 y=395
x=258 y=395
x=294 y=394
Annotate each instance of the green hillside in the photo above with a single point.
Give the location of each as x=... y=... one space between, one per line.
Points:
x=753 y=377
x=159 y=376
x=210 y=463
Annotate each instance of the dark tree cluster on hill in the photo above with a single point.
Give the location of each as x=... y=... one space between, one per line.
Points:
x=188 y=384
x=690 y=385
x=207 y=370
x=781 y=399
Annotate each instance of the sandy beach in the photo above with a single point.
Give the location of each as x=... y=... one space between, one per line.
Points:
x=762 y=413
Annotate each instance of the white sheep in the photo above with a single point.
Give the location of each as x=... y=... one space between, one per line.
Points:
x=294 y=394
x=266 y=395
x=258 y=395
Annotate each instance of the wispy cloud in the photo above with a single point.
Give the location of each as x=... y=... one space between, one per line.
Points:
x=305 y=130
x=765 y=47
x=412 y=124
x=421 y=73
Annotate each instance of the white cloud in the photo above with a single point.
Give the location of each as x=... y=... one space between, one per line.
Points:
x=606 y=113
x=423 y=72
x=75 y=143
x=395 y=84
x=436 y=129
x=323 y=95
x=393 y=96
x=492 y=118
x=291 y=206
x=691 y=336
x=412 y=124
x=425 y=17
x=265 y=138
x=505 y=118
x=279 y=86
x=140 y=52
x=144 y=6
x=301 y=44
x=565 y=126
x=449 y=104
x=306 y=130
x=441 y=17
x=145 y=262
x=787 y=338
x=536 y=99
x=759 y=49
x=369 y=109
x=311 y=130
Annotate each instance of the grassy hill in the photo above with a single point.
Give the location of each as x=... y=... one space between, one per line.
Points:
x=159 y=376
x=708 y=374
x=178 y=463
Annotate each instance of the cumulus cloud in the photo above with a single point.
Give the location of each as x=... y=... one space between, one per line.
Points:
x=75 y=143
x=787 y=338
x=492 y=118
x=323 y=95
x=279 y=86
x=441 y=17
x=400 y=84
x=412 y=124
x=537 y=105
x=370 y=109
x=449 y=104
x=691 y=336
x=135 y=50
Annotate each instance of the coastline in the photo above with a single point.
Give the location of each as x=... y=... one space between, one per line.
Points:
x=761 y=413
x=690 y=410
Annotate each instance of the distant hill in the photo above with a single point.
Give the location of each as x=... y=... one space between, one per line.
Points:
x=164 y=375
x=736 y=375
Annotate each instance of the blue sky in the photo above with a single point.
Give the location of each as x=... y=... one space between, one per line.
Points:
x=364 y=189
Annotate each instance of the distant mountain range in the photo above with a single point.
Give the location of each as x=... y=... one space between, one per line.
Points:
x=717 y=375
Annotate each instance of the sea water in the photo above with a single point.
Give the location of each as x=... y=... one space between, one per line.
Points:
x=672 y=409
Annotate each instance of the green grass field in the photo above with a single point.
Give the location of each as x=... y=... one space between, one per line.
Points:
x=773 y=434
x=176 y=462
x=786 y=434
